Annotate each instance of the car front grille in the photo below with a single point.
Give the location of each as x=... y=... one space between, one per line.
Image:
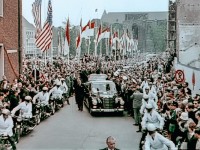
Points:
x=108 y=103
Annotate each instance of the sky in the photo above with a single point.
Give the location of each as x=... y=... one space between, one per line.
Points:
x=85 y=9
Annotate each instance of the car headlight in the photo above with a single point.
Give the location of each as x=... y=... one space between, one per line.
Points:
x=94 y=101
x=117 y=99
x=121 y=101
x=19 y=119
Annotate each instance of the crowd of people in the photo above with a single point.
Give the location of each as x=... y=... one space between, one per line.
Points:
x=165 y=111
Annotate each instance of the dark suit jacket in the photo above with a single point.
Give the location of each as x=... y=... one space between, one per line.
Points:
x=107 y=149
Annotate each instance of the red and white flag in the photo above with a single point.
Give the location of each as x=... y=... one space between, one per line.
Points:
x=98 y=35
x=67 y=39
x=115 y=40
x=91 y=29
x=85 y=30
x=104 y=34
x=78 y=38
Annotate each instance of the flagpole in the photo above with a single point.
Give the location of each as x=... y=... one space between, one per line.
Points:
x=110 y=40
x=89 y=46
x=45 y=55
x=106 y=41
x=89 y=40
x=35 y=64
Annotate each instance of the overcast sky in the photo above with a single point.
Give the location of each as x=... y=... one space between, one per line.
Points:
x=85 y=9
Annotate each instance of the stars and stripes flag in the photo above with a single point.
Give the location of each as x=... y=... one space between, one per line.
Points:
x=36 y=11
x=44 y=39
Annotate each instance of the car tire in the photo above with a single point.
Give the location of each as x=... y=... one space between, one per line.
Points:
x=121 y=113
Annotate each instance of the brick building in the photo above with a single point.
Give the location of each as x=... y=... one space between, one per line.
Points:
x=10 y=38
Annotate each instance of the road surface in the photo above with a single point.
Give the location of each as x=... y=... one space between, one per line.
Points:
x=71 y=129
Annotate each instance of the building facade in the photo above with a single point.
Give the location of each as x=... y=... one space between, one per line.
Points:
x=29 y=47
x=147 y=27
x=10 y=38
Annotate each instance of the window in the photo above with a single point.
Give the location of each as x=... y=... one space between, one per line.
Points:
x=1 y=8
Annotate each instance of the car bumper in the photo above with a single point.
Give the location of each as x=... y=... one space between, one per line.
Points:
x=107 y=110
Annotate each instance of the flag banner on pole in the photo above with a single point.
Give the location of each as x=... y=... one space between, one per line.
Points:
x=91 y=29
x=66 y=48
x=68 y=32
x=98 y=35
x=44 y=39
x=127 y=35
x=114 y=40
x=78 y=39
x=67 y=39
x=88 y=30
x=105 y=33
x=135 y=48
x=85 y=30
x=132 y=42
x=36 y=11
x=59 y=44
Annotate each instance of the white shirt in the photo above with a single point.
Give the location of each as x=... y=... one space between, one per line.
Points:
x=6 y=125
x=158 y=143
x=64 y=87
x=198 y=144
x=26 y=109
x=56 y=92
x=154 y=118
x=144 y=84
x=42 y=98
x=144 y=103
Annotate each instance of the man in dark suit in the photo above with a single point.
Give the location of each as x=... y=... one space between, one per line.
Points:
x=137 y=103
x=110 y=141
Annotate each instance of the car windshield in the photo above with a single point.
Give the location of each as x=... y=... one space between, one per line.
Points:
x=104 y=88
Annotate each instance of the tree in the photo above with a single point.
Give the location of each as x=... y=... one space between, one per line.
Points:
x=158 y=36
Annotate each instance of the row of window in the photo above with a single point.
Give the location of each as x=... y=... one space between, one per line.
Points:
x=1 y=8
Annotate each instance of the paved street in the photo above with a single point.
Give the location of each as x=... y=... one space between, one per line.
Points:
x=71 y=129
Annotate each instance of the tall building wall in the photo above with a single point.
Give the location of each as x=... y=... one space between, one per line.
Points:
x=188 y=32
x=9 y=37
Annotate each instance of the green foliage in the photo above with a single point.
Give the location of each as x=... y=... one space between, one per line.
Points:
x=158 y=37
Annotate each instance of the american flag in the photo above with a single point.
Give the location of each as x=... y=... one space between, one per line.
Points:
x=36 y=10
x=44 y=39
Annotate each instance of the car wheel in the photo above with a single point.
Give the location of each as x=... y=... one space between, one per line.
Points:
x=121 y=113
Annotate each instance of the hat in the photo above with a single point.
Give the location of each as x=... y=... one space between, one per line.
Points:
x=149 y=106
x=28 y=98
x=184 y=116
x=45 y=88
x=146 y=88
x=134 y=81
x=150 y=83
x=124 y=78
x=6 y=111
x=62 y=79
x=151 y=127
x=116 y=73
